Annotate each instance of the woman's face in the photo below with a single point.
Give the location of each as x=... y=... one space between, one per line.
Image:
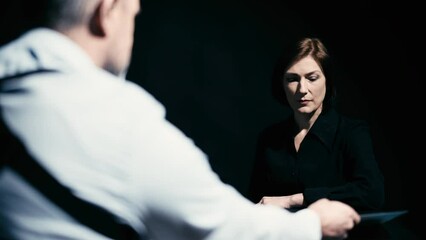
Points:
x=304 y=86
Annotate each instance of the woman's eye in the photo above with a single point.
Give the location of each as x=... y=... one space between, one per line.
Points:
x=291 y=78
x=313 y=77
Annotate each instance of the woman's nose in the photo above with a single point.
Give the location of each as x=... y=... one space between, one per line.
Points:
x=303 y=88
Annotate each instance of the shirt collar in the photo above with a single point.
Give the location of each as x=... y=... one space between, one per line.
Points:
x=325 y=127
x=54 y=50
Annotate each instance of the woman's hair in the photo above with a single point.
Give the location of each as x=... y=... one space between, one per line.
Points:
x=293 y=53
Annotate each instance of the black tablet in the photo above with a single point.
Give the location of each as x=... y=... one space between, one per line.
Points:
x=380 y=217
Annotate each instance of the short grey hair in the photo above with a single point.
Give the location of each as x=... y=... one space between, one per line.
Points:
x=65 y=14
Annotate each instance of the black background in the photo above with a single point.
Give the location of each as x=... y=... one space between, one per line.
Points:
x=210 y=63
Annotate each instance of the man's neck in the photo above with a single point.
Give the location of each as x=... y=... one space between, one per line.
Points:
x=93 y=45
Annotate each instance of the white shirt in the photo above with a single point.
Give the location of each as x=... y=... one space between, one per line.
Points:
x=107 y=140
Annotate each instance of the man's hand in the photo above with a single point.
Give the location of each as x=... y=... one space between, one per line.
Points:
x=337 y=218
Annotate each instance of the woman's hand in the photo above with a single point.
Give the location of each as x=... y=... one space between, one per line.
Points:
x=295 y=200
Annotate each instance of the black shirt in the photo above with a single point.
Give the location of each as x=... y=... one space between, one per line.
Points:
x=335 y=160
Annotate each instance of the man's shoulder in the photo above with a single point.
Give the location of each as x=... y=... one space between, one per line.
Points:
x=15 y=58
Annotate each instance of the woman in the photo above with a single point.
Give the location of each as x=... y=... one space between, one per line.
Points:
x=316 y=152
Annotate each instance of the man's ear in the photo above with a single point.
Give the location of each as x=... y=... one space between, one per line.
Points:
x=100 y=23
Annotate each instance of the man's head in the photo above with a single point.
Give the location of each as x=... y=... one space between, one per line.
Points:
x=103 y=28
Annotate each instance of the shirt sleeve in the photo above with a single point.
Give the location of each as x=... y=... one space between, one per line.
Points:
x=180 y=197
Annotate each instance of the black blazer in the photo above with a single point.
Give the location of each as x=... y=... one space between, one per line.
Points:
x=335 y=160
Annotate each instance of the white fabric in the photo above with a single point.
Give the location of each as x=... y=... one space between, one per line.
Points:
x=107 y=139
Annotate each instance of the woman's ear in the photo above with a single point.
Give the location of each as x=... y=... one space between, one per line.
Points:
x=101 y=20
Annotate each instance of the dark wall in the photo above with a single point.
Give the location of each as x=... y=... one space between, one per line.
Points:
x=210 y=62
